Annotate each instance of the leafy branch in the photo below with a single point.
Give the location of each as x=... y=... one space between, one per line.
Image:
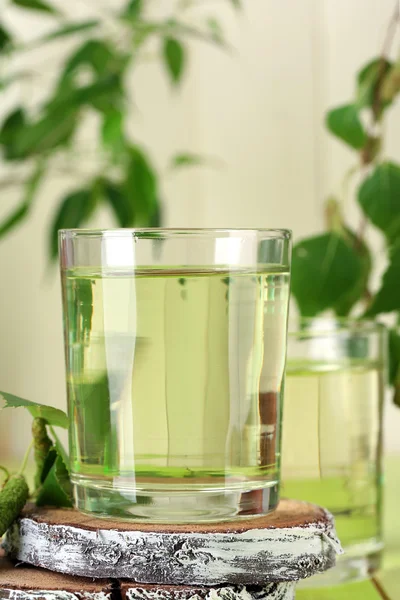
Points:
x=94 y=79
x=340 y=260
x=52 y=484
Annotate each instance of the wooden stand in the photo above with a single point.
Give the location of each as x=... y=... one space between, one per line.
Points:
x=295 y=542
x=31 y=583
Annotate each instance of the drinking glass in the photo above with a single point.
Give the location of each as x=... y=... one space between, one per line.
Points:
x=332 y=433
x=175 y=354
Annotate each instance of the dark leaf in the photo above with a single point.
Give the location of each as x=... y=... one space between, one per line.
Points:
x=95 y=53
x=133 y=10
x=394 y=355
x=174 y=58
x=60 y=448
x=325 y=270
x=394 y=364
x=121 y=204
x=215 y=30
x=141 y=187
x=106 y=90
x=48 y=463
x=56 y=489
x=23 y=209
x=387 y=299
x=368 y=80
x=104 y=95
x=54 y=129
x=347 y=301
x=13 y=126
x=70 y=29
x=5 y=39
x=344 y=122
x=74 y=210
x=379 y=197
x=36 y=5
x=52 y=416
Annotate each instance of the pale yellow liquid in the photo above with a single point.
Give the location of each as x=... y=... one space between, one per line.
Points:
x=175 y=379
x=332 y=446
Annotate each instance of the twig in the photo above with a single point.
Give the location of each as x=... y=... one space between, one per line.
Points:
x=379 y=589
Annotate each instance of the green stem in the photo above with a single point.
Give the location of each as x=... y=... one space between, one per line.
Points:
x=5 y=471
x=25 y=459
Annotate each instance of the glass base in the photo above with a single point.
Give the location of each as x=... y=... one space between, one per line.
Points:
x=356 y=564
x=168 y=506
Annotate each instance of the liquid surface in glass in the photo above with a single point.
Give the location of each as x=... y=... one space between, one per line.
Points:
x=174 y=385
x=332 y=447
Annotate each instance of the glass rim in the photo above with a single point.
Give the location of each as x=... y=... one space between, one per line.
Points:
x=165 y=232
x=343 y=324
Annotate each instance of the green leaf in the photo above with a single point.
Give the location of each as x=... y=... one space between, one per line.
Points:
x=112 y=134
x=12 y=127
x=394 y=355
x=95 y=53
x=60 y=448
x=141 y=187
x=69 y=29
x=52 y=416
x=368 y=79
x=343 y=307
x=56 y=489
x=188 y=159
x=325 y=269
x=22 y=210
x=215 y=30
x=48 y=464
x=133 y=10
x=36 y=5
x=237 y=4
x=174 y=58
x=74 y=210
x=391 y=85
x=394 y=364
x=51 y=131
x=387 y=299
x=106 y=91
x=5 y=39
x=344 y=122
x=121 y=204
x=379 y=197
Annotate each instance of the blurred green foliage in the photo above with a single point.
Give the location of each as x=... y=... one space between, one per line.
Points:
x=333 y=271
x=95 y=77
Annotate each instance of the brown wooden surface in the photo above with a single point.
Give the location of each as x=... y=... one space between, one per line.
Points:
x=290 y=513
x=22 y=581
x=25 y=577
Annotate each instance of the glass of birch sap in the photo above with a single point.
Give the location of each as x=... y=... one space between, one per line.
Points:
x=332 y=433
x=175 y=353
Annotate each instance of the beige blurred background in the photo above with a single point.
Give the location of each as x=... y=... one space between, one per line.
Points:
x=259 y=108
